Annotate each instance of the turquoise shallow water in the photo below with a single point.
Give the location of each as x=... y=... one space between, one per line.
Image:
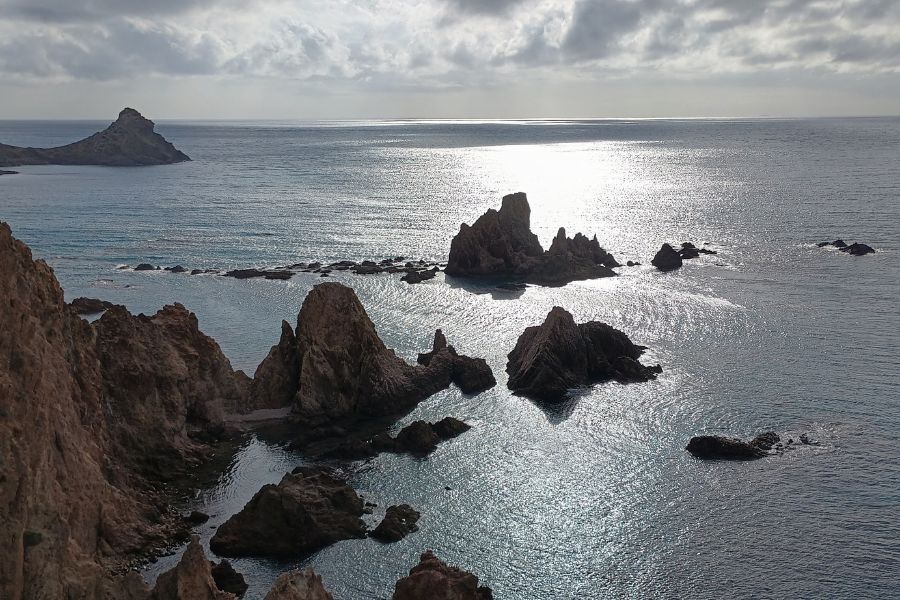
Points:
x=596 y=498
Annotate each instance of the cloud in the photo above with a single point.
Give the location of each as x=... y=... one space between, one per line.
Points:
x=429 y=43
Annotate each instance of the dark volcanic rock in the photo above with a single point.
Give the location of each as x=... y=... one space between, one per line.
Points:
x=145 y=267
x=253 y=273
x=399 y=521
x=197 y=518
x=298 y=585
x=720 y=447
x=344 y=370
x=858 y=249
x=450 y=427
x=89 y=306
x=433 y=579
x=500 y=244
x=128 y=142
x=471 y=375
x=418 y=438
x=667 y=259
x=229 y=580
x=559 y=355
x=2 y=172
x=308 y=510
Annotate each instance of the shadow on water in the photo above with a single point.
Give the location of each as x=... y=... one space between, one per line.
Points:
x=487 y=286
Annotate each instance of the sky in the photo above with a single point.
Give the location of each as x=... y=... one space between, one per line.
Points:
x=318 y=59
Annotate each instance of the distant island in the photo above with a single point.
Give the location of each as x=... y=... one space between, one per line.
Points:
x=128 y=142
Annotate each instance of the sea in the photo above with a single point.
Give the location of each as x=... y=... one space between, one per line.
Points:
x=594 y=498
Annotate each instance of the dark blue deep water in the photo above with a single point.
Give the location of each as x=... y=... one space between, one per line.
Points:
x=597 y=498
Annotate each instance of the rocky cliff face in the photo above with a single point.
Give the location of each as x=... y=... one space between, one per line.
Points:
x=500 y=244
x=161 y=374
x=335 y=367
x=559 y=355
x=80 y=407
x=190 y=579
x=298 y=585
x=128 y=142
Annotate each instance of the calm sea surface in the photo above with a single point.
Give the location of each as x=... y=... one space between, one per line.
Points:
x=596 y=498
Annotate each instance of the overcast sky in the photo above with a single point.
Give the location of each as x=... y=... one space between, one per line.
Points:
x=448 y=58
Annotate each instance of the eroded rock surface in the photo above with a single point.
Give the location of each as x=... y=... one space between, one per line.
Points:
x=128 y=142
x=298 y=585
x=190 y=579
x=433 y=579
x=337 y=368
x=419 y=438
x=667 y=259
x=500 y=244
x=89 y=306
x=559 y=355
x=308 y=510
x=82 y=405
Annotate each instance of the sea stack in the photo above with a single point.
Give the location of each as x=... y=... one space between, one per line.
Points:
x=559 y=355
x=500 y=245
x=129 y=141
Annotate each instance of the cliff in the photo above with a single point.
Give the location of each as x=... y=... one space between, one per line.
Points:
x=129 y=141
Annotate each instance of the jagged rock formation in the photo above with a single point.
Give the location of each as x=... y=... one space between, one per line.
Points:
x=399 y=521
x=721 y=447
x=335 y=367
x=471 y=375
x=161 y=374
x=80 y=406
x=308 y=510
x=298 y=585
x=128 y=142
x=500 y=245
x=432 y=579
x=558 y=355
x=190 y=579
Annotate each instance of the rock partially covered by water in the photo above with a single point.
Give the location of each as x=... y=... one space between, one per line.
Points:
x=721 y=447
x=559 y=355
x=471 y=375
x=298 y=585
x=667 y=259
x=307 y=511
x=419 y=438
x=343 y=369
x=500 y=244
x=89 y=306
x=433 y=579
x=166 y=384
x=191 y=578
x=128 y=142
x=854 y=249
x=399 y=521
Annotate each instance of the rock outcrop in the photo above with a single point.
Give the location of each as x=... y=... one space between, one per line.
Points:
x=81 y=406
x=336 y=368
x=308 y=510
x=500 y=245
x=399 y=521
x=128 y=142
x=419 y=438
x=667 y=259
x=721 y=447
x=298 y=585
x=190 y=579
x=559 y=355
x=89 y=306
x=163 y=377
x=471 y=375
x=227 y=579
x=432 y=579
x=854 y=249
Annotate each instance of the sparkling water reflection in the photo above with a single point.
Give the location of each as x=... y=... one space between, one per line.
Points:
x=595 y=498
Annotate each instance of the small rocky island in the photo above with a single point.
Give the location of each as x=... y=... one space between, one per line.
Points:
x=500 y=245
x=128 y=142
x=558 y=355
